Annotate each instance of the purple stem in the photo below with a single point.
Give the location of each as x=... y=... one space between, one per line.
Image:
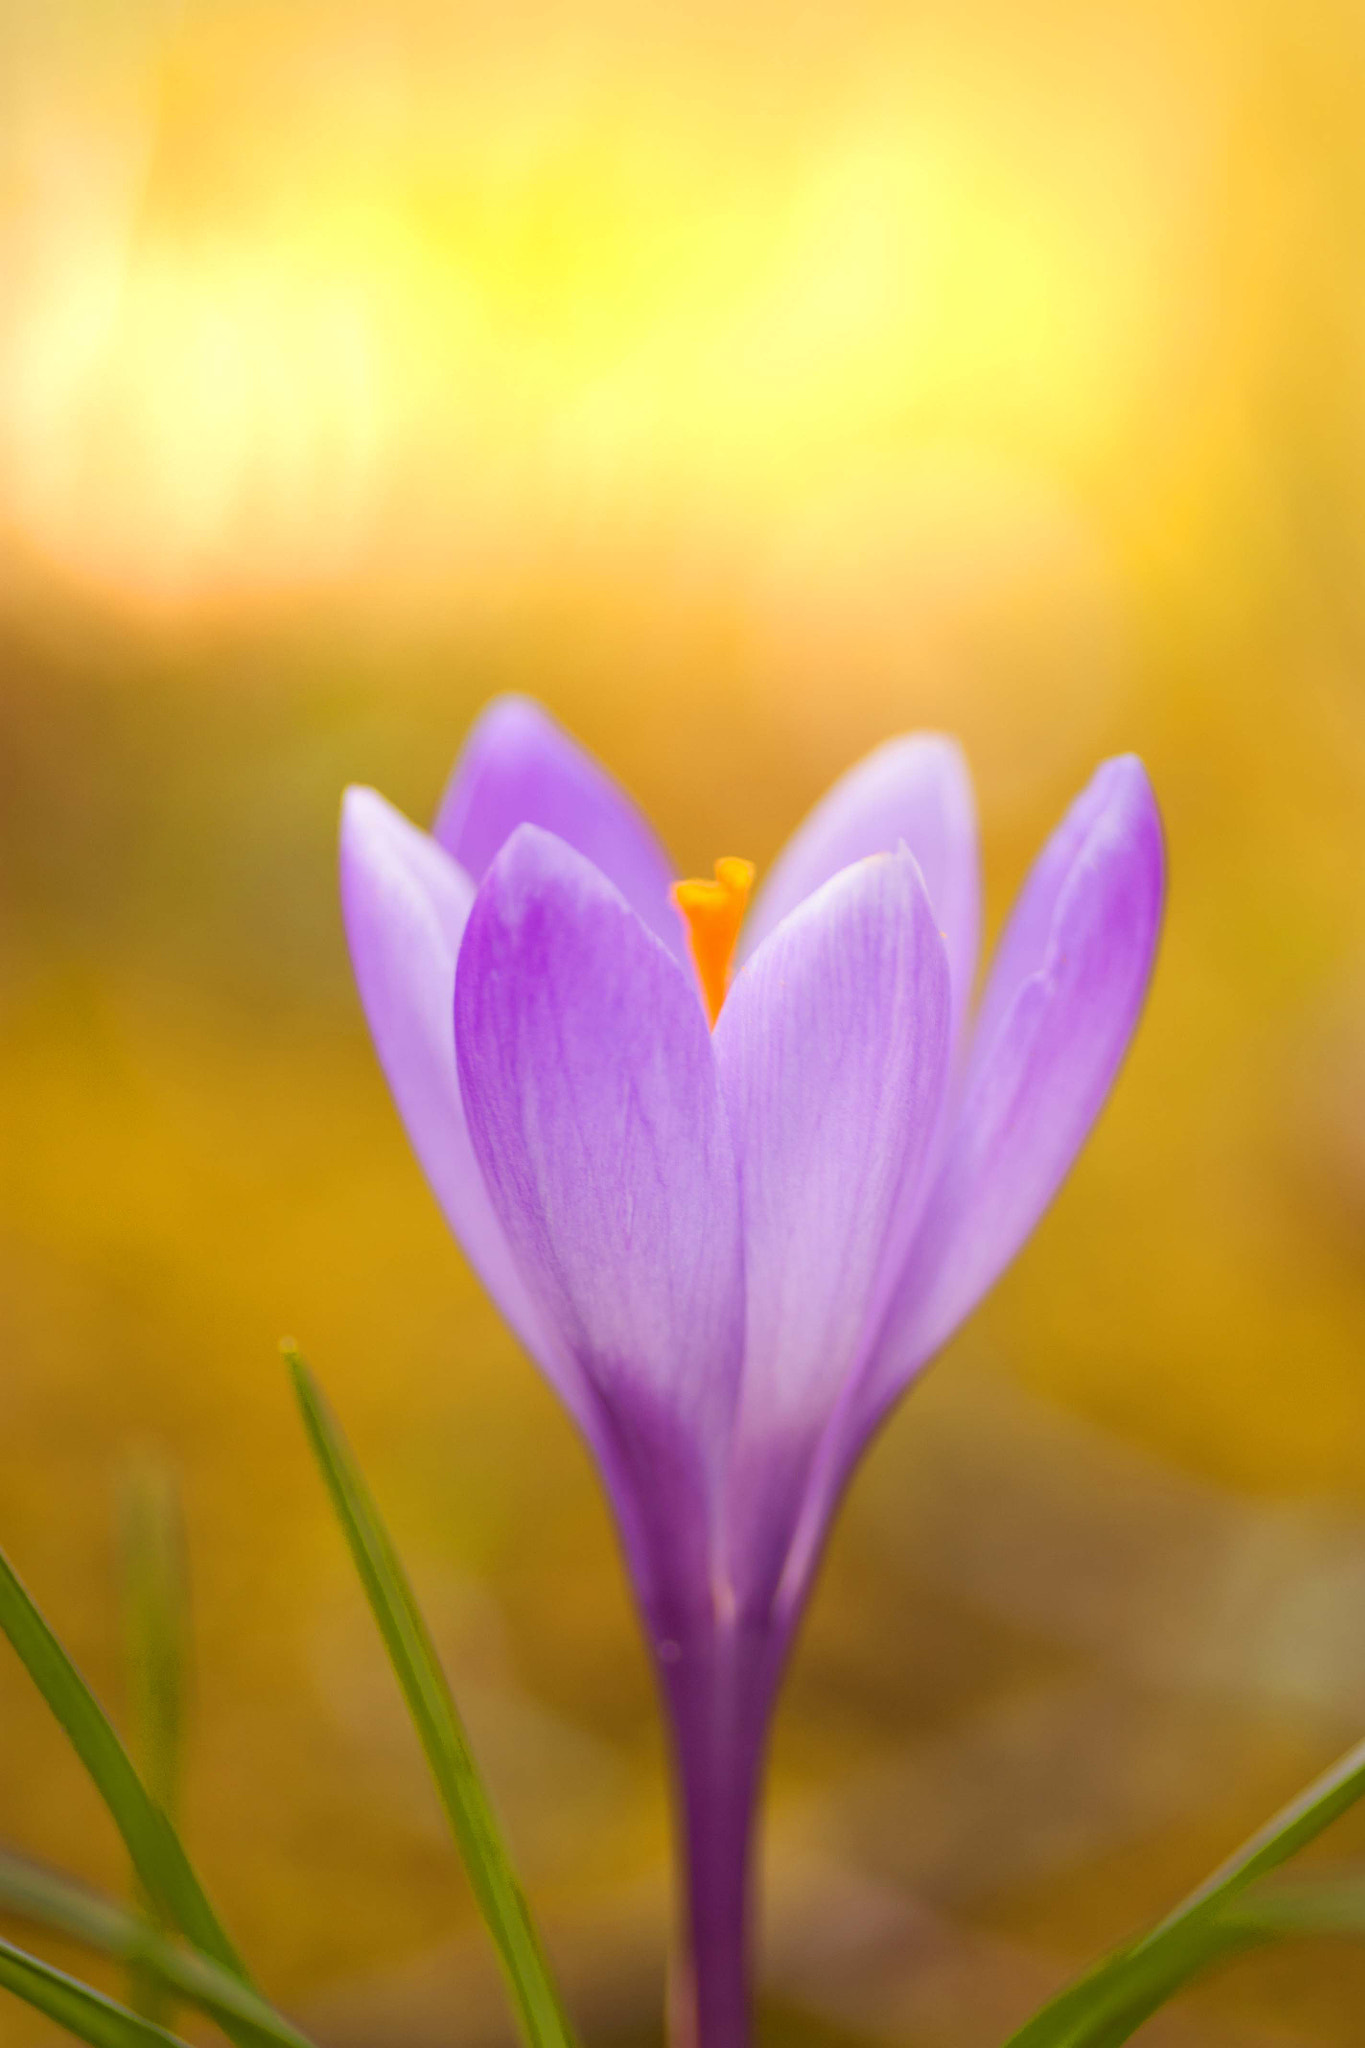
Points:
x=719 y=1685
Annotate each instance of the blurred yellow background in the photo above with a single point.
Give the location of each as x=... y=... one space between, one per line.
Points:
x=748 y=382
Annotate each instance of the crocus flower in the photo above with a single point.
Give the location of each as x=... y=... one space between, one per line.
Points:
x=732 y=1214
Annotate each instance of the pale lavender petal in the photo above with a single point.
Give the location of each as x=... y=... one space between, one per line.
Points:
x=914 y=790
x=1023 y=945
x=1034 y=1087
x=833 y=1051
x=405 y=904
x=1042 y=1062
x=595 y=1111
x=519 y=767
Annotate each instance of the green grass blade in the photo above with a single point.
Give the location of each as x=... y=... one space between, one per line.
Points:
x=437 y=1721
x=87 y=2014
x=1303 y=1906
x=45 y=1898
x=1108 y=2004
x=152 y=1843
x=156 y=1626
x=1292 y=1829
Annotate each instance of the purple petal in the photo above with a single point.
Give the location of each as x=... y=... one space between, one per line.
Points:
x=405 y=904
x=593 y=1103
x=1064 y=1000
x=915 y=790
x=833 y=1051
x=518 y=767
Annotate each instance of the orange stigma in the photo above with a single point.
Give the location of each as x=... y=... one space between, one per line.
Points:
x=714 y=912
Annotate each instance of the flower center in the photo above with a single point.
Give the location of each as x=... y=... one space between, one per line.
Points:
x=713 y=913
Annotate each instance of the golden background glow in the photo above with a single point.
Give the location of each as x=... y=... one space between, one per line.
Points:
x=749 y=383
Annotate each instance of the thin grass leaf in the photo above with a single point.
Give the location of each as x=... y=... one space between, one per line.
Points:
x=152 y=1843
x=1107 y=2005
x=45 y=1898
x=1267 y=1913
x=156 y=1627
x=437 y=1721
x=1303 y=1906
x=87 y=2014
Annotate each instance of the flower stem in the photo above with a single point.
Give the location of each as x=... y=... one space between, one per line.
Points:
x=719 y=1685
